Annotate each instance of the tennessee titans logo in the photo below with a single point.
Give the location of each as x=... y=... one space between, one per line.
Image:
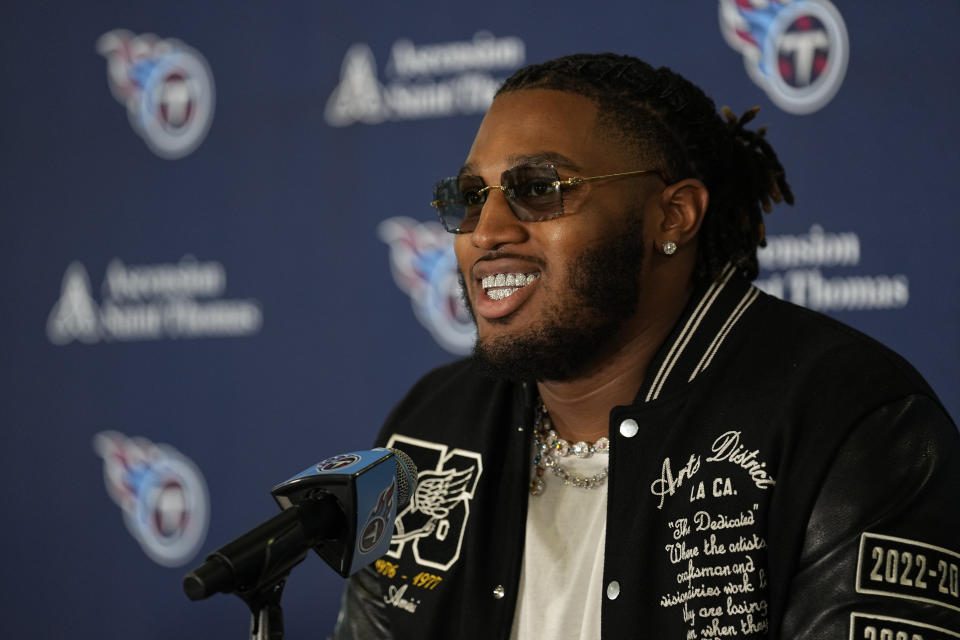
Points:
x=166 y=86
x=162 y=494
x=372 y=532
x=337 y=462
x=796 y=50
x=424 y=266
x=433 y=524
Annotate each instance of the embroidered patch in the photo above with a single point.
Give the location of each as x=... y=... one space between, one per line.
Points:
x=864 y=626
x=716 y=550
x=908 y=569
x=433 y=524
x=728 y=447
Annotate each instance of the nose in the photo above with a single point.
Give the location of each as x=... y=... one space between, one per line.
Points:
x=497 y=225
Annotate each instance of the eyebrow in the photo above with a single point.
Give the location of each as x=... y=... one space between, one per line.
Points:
x=541 y=157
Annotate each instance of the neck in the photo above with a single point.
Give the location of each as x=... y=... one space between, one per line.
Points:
x=580 y=408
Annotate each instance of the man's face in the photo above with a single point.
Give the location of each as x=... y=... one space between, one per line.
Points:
x=552 y=298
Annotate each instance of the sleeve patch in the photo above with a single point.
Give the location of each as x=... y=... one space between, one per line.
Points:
x=909 y=570
x=865 y=626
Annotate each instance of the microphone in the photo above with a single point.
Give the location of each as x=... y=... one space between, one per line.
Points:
x=343 y=507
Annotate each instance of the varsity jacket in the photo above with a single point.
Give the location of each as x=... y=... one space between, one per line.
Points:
x=779 y=475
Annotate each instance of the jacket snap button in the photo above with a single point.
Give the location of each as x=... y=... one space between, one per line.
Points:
x=629 y=428
x=613 y=590
x=498 y=591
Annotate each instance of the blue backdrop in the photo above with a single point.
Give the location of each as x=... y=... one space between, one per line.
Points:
x=219 y=265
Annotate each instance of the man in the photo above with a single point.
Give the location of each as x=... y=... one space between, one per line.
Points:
x=645 y=445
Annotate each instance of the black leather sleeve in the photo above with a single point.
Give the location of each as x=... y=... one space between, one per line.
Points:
x=882 y=546
x=363 y=611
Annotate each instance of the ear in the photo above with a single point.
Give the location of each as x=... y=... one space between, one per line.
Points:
x=683 y=205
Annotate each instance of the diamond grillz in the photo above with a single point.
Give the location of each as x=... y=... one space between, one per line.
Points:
x=504 y=285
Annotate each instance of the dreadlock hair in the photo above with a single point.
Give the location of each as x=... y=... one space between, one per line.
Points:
x=673 y=122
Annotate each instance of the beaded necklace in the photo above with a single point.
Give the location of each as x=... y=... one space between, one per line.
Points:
x=549 y=448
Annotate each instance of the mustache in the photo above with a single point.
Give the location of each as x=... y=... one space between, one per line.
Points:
x=498 y=255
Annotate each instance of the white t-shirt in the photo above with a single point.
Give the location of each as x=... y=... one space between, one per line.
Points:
x=561 y=579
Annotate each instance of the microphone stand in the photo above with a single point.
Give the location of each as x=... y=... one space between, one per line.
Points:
x=256 y=568
x=266 y=615
x=256 y=565
x=263 y=598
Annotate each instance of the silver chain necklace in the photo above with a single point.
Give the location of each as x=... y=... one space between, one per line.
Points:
x=549 y=448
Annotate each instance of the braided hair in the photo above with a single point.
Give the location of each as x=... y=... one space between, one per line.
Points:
x=674 y=123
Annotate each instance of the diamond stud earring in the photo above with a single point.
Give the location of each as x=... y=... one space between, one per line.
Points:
x=669 y=247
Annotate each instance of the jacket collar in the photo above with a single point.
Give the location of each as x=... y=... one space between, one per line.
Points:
x=699 y=334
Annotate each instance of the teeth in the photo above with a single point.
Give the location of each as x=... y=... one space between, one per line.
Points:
x=506 y=284
x=508 y=280
x=500 y=294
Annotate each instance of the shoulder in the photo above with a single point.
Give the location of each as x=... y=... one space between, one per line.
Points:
x=446 y=398
x=826 y=350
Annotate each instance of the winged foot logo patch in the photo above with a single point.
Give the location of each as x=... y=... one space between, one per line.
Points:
x=432 y=525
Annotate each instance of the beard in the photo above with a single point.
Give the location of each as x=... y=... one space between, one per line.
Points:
x=576 y=332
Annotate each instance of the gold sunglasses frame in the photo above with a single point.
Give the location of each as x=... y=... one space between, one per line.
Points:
x=567 y=182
